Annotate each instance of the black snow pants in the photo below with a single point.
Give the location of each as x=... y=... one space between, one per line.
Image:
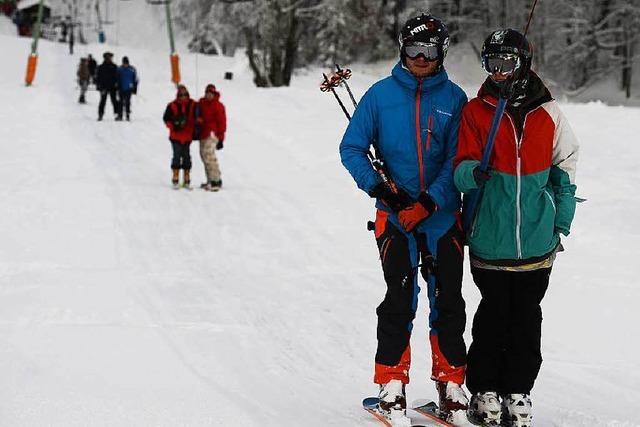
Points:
x=103 y=100
x=181 y=155
x=125 y=102
x=504 y=355
x=400 y=253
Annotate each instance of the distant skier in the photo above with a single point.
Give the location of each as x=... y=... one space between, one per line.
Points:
x=527 y=202
x=107 y=83
x=213 y=125
x=179 y=117
x=93 y=65
x=412 y=118
x=83 y=79
x=127 y=85
x=72 y=38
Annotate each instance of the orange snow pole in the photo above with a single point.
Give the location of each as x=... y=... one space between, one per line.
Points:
x=32 y=62
x=31 y=68
x=175 y=68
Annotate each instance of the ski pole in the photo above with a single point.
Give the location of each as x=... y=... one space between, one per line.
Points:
x=473 y=199
x=344 y=75
x=326 y=86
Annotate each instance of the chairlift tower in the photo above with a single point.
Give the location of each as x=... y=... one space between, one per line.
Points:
x=174 y=58
x=32 y=62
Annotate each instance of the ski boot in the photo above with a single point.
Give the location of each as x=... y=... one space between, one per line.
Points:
x=393 y=403
x=215 y=185
x=119 y=118
x=453 y=402
x=175 y=178
x=485 y=409
x=516 y=410
x=186 y=180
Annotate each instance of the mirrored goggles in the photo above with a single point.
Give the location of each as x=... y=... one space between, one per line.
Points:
x=503 y=63
x=428 y=50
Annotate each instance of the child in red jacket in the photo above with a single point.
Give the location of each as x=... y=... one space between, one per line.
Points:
x=180 y=118
x=213 y=124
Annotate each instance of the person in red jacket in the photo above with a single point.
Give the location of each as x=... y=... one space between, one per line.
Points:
x=212 y=120
x=180 y=118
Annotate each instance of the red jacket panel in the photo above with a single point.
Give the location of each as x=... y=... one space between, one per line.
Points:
x=177 y=111
x=213 y=118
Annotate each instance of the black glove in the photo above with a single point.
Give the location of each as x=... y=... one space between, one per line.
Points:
x=220 y=144
x=481 y=177
x=396 y=201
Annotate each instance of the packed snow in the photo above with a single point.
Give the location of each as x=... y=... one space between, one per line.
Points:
x=126 y=303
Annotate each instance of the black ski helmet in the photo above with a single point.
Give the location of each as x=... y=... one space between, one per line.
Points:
x=512 y=42
x=425 y=28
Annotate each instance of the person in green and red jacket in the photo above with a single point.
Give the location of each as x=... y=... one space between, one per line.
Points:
x=527 y=203
x=180 y=118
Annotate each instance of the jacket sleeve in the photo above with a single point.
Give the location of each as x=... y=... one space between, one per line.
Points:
x=356 y=141
x=167 y=117
x=442 y=190
x=469 y=152
x=563 y=171
x=222 y=117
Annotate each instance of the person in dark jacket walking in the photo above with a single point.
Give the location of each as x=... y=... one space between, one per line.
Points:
x=412 y=118
x=107 y=84
x=127 y=85
x=83 y=78
x=527 y=203
x=180 y=118
x=212 y=120
x=93 y=65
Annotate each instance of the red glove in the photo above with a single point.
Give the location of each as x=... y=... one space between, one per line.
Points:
x=412 y=216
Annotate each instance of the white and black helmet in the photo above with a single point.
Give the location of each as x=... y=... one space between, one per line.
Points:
x=424 y=35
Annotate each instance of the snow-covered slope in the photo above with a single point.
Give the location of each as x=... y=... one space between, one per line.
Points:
x=125 y=303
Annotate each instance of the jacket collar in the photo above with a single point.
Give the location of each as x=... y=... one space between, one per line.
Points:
x=408 y=80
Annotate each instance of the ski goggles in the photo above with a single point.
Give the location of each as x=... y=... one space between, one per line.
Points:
x=503 y=63
x=428 y=50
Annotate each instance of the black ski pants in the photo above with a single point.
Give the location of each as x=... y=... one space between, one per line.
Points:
x=181 y=155
x=125 y=102
x=103 y=100
x=504 y=355
x=400 y=253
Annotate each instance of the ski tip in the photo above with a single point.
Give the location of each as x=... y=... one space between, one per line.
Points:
x=370 y=402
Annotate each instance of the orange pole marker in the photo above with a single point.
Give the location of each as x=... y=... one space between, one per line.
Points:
x=31 y=68
x=175 y=68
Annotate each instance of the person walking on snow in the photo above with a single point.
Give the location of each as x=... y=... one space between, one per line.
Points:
x=107 y=83
x=213 y=125
x=93 y=65
x=527 y=202
x=411 y=118
x=179 y=117
x=127 y=85
x=83 y=79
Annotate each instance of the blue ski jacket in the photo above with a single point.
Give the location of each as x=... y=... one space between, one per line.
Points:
x=413 y=125
x=127 y=78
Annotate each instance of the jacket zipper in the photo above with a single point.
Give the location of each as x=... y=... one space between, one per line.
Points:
x=419 y=137
x=518 y=176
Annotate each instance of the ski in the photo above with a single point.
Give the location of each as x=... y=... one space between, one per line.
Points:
x=370 y=404
x=430 y=410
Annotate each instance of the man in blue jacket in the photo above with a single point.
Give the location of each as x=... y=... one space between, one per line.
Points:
x=127 y=85
x=412 y=118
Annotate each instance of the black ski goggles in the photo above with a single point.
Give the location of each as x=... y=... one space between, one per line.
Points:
x=428 y=50
x=503 y=63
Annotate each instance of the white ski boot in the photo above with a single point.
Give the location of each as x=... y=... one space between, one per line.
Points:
x=485 y=409
x=453 y=402
x=393 y=403
x=516 y=410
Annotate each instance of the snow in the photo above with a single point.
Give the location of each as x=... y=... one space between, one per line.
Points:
x=124 y=302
